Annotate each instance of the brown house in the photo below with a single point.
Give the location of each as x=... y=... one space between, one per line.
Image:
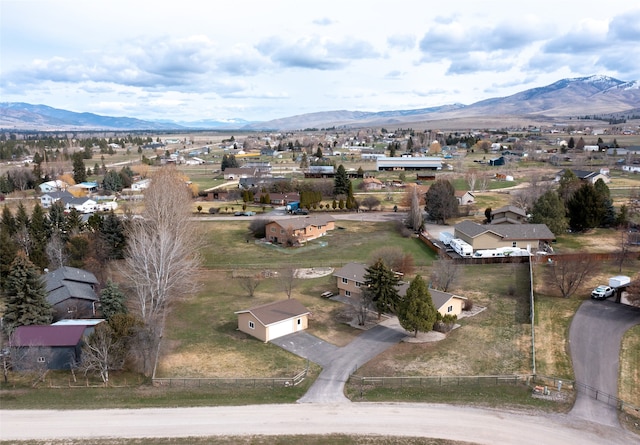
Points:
x=372 y=184
x=508 y=215
x=492 y=236
x=274 y=320
x=350 y=279
x=296 y=231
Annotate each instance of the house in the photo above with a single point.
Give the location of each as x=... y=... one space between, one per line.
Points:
x=141 y=185
x=280 y=199
x=508 y=215
x=350 y=279
x=82 y=205
x=49 y=198
x=56 y=347
x=493 y=236
x=465 y=198
x=296 y=231
x=53 y=186
x=497 y=161
x=232 y=174
x=274 y=320
x=586 y=175
x=408 y=163
x=320 y=171
x=71 y=292
x=372 y=184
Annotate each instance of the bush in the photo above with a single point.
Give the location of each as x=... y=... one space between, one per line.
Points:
x=213 y=210
x=258 y=227
x=403 y=230
x=468 y=304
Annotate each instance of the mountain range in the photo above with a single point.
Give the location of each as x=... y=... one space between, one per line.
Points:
x=593 y=95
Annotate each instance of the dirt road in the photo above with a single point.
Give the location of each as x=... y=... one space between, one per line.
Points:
x=438 y=421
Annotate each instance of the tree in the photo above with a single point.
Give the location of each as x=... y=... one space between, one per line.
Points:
x=228 y=161
x=102 y=352
x=38 y=237
x=633 y=291
x=569 y=273
x=79 y=170
x=580 y=144
x=471 y=177
x=394 y=258
x=287 y=279
x=161 y=257
x=258 y=227
x=487 y=215
x=363 y=305
x=572 y=143
x=26 y=302
x=444 y=274
x=382 y=283
x=249 y=283
x=56 y=252
x=112 y=181
x=341 y=182
x=416 y=311
x=441 y=202
x=112 y=300
x=415 y=210
x=586 y=208
x=370 y=202
x=549 y=209
x=569 y=183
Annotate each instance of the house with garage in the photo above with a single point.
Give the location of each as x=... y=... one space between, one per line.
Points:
x=586 y=175
x=447 y=303
x=350 y=279
x=408 y=163
x=274 y=320
x=508 y=215
x=531 y=237
x=71 y=292
x=53 y=186
x=297 y=231
x=140 y=185
x=49 y=198
x=232 y=174
x=82 y=205
x=46 y=346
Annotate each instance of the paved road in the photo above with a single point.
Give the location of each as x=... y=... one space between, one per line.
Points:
x=594 y=338
x=473 y=425
x=339 y=363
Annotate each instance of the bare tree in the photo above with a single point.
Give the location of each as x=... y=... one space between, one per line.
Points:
x=287 y=279
x=370 y=202
x=633 y=291
x=56 y=252
x=102 y=352
x=394 y=258
x=363 y=306
x=483 y=182
x=161 y=259
x=444 y=274
x=249 y=283
x=472 y=177
x=568 y=274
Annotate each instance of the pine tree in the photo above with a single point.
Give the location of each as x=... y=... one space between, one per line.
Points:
x=25 y=296
x=39 y=233
x=416 y=311
x=550 y=210
x=382 y=282
x=341 y=182
x=112 y=300
x=586 y=208
x=79 y=171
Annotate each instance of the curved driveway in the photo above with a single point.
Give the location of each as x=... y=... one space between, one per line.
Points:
x=595 y=336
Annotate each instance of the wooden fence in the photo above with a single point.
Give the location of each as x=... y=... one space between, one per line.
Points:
x=250 y=382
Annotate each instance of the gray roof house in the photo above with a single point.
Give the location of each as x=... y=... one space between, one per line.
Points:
x=47 y=199
x=71 y=292
x=493 y=236
x=508 y=215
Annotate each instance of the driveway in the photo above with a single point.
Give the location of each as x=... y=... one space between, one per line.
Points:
x=308 y=346
x=594 y=340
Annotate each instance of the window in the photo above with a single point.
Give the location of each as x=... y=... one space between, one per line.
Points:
x=515 y=244
x=450 y=309
x=273 y=229
x=358 y=284
x=299 y=321
x=281 y=231
x=251 y=325
x=345 y=281
x=41 y=360
x=347 y=293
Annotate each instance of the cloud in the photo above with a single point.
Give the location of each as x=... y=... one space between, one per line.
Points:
x=402 y=41
x=626 y=27
x=585 y=37
x=395 y=74
x=324 y=21
x=315 y=53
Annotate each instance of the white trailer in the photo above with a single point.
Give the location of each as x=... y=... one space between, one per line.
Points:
x=461 y=247
x=618 y=281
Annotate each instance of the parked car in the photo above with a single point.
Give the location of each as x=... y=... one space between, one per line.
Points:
x=327 y=294
x=244 y=213
x=602 y=292
x=301 y=212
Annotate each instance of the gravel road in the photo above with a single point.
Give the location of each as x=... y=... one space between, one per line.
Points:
x=479 y=426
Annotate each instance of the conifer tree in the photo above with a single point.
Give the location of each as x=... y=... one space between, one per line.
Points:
x=382 y=282
x=112 y=300
x=416 y=311
x=26 y=296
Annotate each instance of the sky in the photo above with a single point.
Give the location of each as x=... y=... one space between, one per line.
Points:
x=259 y=60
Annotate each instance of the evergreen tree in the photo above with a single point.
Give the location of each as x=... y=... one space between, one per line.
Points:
x=304 y=161
x=112 y=181
x=112 y=300
x=8 y=223
x=79 y=170
x=26 y=302
x=416 y=311
x=586 y=208
x=112 y=233
x=572 y=143
x=609 y=216
x=569 y=183
x=341 y=182
x=39 y=233
x=441 y=201
x=549 y=209
x=9 y=250
x=382 y=282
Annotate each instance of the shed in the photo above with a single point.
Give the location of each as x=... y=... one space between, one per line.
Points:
x=57 y=347
x=274 y=320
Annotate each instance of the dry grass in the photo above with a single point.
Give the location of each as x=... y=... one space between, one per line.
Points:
x=629 y=389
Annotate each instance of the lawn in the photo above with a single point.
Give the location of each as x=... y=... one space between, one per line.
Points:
x=629 y=387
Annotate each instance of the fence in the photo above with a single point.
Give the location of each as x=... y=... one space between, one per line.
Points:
x=425 y=381
x=258 y=382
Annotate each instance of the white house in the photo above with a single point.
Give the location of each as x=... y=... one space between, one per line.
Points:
x=53 y=186
x=141 y=185
x=48 y=199
x=274 y=320
x=82 y=205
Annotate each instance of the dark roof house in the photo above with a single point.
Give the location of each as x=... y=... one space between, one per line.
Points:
x=71 y=292
x=493 y=236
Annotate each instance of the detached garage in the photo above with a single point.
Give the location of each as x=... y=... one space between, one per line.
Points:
x=274 y=320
